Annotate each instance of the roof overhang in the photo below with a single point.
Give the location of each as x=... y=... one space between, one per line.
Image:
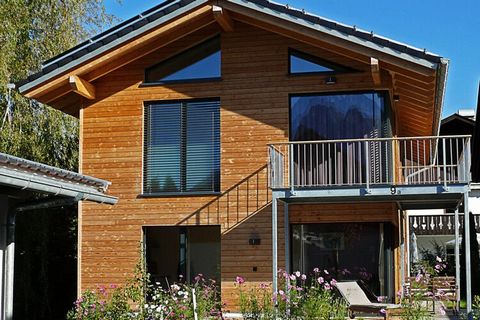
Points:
x=418 y=77
x=28 y=175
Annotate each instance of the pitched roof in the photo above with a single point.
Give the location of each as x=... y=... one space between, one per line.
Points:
x=25 y=174
x=170 y=9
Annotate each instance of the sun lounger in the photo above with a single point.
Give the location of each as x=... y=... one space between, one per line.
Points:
x=358 y=301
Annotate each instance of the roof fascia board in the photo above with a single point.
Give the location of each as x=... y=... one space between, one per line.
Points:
x=30 y=85
x=38 y=183
x=335 y=33
x=442 y=72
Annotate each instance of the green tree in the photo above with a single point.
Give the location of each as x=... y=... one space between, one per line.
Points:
x=33 y=31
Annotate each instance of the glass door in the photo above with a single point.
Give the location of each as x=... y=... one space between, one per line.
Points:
x=348 y=251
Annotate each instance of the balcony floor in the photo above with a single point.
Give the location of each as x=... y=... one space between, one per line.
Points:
x=406 y=196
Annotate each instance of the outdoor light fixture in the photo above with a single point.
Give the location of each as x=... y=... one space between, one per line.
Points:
x=330 y=80
x=254 y=241
x=396 y=97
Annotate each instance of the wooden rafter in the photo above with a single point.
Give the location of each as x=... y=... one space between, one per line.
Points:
x=82 y=87
x=375 y=68
x=223 y=18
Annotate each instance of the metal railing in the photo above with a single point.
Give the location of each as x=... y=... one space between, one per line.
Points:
x=355 y=162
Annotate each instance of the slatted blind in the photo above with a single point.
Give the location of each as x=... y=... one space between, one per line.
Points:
x=182 y=147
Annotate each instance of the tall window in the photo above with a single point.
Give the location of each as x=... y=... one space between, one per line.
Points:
x=182 y=147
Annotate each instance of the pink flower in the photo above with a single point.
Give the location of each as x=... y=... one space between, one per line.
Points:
x=333 y=282
x=325 y=271
x=320 y=280
x=327 y=286
x=263 y=286
x=383 y=311
x=418 y=277
x=439 y=259
x=297 y=274
x=443 y=311
x=316 y=270
x=293 y=277
x=304 y=277
x=239 y=280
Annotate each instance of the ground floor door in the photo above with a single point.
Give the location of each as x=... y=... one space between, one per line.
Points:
x=348 y=251
x=181 y=253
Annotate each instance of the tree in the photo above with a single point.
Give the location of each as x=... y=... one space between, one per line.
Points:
x=33 y=31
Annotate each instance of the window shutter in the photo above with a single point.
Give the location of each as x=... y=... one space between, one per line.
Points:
x=182 y=147
x=163 y=145
x=203 y=146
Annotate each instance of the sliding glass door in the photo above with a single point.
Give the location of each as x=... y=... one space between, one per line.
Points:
x=348 y=251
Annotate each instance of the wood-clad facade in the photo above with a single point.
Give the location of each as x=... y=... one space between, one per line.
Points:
x=254 y=93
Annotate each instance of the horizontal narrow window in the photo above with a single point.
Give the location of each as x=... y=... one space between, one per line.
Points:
x=200 y=62
x=182 y=147
x=301 y=63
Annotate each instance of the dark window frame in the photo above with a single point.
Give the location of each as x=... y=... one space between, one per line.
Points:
x=173 y=61
x=337 y=68
x=183 y=153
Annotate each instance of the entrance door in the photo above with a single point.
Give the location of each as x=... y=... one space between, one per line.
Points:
x=348 y=251
x=181 y=253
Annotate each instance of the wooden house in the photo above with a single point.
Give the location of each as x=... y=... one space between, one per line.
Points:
x=243 y=136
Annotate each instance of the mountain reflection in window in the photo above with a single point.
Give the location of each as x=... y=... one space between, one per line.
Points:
x=200 y=62
x=335 y=117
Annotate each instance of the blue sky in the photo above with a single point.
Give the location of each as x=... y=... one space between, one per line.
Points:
x=445 y=27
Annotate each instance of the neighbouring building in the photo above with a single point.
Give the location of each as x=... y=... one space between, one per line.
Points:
x=242 y=136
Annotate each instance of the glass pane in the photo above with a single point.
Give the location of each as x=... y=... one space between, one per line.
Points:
x=203 y=146
x=349 y=251
x=200 y=62
x=162 y=148
x=299 y=65
x=204 y=252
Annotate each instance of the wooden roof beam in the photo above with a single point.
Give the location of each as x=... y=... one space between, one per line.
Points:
x=375 y=68
x=223 y=18
x=82 y=87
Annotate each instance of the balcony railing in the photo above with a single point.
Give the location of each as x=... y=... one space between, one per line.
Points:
x=365 y=162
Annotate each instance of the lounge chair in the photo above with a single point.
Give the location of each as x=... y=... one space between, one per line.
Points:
x=358 y=301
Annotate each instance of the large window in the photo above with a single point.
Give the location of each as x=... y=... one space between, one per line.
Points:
x=182 y=147
x=202 y=62
x=349 y=251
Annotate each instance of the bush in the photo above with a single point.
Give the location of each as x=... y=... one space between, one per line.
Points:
x=302 y=298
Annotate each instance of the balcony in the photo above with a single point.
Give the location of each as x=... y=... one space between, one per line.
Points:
x=369 y=163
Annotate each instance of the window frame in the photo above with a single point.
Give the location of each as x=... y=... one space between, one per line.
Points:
x=183 y=154
x=336 y=68
x=174 y=57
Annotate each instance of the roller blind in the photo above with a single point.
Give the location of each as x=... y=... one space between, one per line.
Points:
x=182 y=147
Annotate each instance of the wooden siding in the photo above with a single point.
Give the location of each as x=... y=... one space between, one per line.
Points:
x=254 y=99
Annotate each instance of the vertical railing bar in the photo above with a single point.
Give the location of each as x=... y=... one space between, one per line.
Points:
x=360 y=161
x=424 y=162
x=318 y=164
x=450 y=166
x=354 y=177
x=367 y=157
x=380 y=152
x=444 y=164
x=311 y=165
x=329 y=163
x=335 y=163
x=404 y=173
x=432 y=161
x=418 y=161
x=325 y=163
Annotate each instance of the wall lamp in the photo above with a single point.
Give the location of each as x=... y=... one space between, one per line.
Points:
x=254 y=241
x=396 y=97
x=330 y=80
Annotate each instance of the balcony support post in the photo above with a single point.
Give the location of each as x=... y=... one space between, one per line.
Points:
x=468 y=266
x=286 y=227
x=457 y=257
x=274 y=243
